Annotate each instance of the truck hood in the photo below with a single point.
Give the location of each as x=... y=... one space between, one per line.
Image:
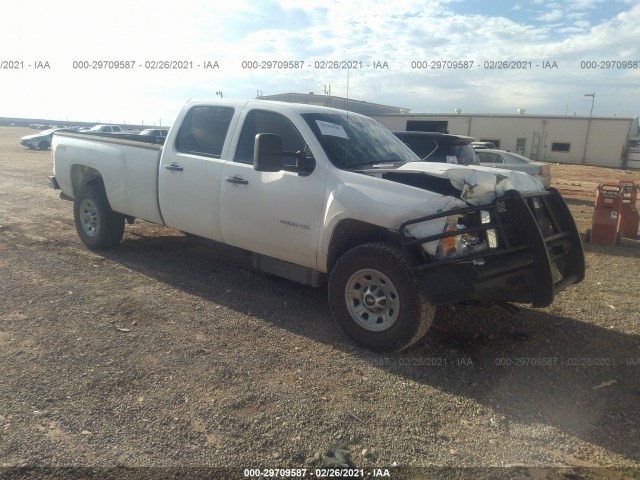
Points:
x=387 y=202
x=478 y=185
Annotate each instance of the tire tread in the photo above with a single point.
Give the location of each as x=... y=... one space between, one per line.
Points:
x=426 y=311
x=112 y=225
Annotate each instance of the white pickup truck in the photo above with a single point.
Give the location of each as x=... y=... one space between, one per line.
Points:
x=320 y=195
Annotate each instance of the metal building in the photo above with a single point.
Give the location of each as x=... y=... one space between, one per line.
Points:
x=600 y=141
x=357 y=106
x=584 y=140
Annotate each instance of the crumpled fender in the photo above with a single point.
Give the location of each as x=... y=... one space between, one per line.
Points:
x=386 y=205
x=366 y=197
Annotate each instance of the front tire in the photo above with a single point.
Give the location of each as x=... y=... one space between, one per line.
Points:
x=97 y=225
x=43 y=145
x=375 y=299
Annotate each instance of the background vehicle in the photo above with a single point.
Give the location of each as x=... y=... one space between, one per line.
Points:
x=105 y=128
x=483 y=145
x=159 y=135
x=41 y=140
x=155 y=132
x=321 y=194
x=440 y=147
x=514 y=161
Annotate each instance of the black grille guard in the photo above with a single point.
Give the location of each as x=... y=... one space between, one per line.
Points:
x=534 y=231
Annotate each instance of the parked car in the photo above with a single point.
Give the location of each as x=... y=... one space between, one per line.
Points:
x=105 y=128
x=483 y=145
x=154 y=132
x=440 y=147
x=512 y=161
x=40 y=140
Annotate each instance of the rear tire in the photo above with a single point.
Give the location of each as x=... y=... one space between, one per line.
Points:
x=375 y=299
x=97 y=225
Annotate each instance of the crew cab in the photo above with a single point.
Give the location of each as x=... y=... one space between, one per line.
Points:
x=324 y=195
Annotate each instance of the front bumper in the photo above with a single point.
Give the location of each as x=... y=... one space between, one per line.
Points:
x=539 y=253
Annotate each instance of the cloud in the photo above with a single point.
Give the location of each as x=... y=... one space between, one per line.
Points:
x=398 y=32
x=551 y=16
x=584 y=4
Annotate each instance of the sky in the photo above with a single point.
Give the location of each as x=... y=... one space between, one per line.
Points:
x=58 y=59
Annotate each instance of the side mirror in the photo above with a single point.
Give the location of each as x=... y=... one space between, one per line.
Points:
x=305 y=162
x=267 y=153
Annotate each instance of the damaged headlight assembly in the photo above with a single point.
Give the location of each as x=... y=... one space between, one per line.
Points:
x=459 y=236
x=469 y=241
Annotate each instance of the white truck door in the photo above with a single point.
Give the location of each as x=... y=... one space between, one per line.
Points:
x=273 y=213
x=191 y=172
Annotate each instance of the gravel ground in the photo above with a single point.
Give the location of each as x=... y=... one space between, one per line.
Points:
x=172 y=353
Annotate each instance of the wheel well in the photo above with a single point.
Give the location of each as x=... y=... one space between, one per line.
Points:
x=351 y=233
x=81 y=176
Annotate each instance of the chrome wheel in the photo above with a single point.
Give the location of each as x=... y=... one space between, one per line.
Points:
x=89 y=217
x=372 y=300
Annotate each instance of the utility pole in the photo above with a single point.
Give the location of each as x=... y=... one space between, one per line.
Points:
x=586 y=140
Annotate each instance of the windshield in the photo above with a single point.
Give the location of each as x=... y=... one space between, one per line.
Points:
x=357 y=142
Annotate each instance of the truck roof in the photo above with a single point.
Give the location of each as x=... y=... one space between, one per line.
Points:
x=271 y=104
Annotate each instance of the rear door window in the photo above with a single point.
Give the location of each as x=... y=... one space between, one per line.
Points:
x=204 y=130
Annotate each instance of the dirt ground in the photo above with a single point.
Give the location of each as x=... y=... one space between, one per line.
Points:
x=169 y=357
x=580 y=182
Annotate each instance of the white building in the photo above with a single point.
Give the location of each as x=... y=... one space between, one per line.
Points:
x=599 y=141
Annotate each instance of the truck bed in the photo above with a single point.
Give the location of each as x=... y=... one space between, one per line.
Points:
x=134 y=137
x=128 y=167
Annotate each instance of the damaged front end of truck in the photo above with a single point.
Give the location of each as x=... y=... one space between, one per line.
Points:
x=506 y=245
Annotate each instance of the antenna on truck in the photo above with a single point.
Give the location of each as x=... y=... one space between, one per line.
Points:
x=348 y=94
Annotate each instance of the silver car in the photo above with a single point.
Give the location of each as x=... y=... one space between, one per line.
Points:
x=512 y=161
x=40 y=140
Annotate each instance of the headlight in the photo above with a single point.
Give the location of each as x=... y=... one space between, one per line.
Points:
x=466 y=243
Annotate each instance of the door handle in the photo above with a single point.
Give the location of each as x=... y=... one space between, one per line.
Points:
x=237 y=180
x=174 y=167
